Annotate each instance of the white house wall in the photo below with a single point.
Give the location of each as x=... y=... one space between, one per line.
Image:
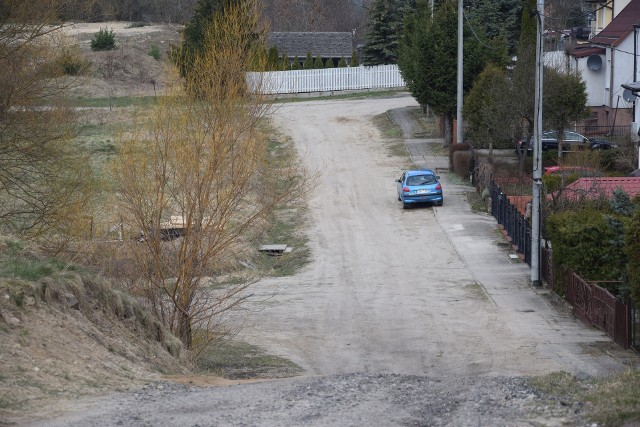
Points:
x=594 y=81
x=622 y=70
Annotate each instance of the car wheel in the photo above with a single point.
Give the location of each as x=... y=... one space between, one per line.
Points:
x=439 y=203
x=405 y=206
x=399 y=199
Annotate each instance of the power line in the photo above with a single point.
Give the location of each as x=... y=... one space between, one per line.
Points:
x=476 y=35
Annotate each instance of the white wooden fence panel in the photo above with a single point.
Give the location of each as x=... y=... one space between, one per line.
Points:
x=325 y=80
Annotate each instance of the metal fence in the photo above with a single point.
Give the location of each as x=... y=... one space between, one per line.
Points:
x=603 y=131
x=325 y=80
x=598 y=307
x=514 y=223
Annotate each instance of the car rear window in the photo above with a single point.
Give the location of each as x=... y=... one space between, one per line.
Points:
x=421 y=180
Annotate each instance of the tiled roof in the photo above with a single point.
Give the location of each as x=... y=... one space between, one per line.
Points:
x=584 y=51
x=520 y=203
x=327 y=45
x=620 y=26
x=593 y=188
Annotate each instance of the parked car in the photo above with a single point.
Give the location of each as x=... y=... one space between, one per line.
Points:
x=419 y=186
x=571 y=141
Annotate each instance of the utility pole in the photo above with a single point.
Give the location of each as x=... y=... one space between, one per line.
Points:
x=537 y=152
x=459 y=134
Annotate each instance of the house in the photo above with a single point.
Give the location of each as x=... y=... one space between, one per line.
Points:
x=598 y=187
x=604 y=11
x=609 y=61
x=327 y=45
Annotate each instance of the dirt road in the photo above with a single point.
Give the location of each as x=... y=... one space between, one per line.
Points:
x=388 y=291
x=404 y=317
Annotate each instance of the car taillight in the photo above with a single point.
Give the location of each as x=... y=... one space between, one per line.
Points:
x=438 y=187
x=405 y=190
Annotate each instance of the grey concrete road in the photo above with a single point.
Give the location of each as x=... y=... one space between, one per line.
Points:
x=419 y=291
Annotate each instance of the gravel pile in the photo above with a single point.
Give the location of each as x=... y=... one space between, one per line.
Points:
x=339 y=400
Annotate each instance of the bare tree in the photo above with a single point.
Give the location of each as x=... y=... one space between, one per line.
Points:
x=202 y=166
x=45 y=180
x=317 y=15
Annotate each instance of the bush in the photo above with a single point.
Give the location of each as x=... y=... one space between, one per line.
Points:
x=342 y=63
x=632 y=250
x=71 y=63
x=154 y=52
x=587 y=242
x=103 y=40
x=317 y=63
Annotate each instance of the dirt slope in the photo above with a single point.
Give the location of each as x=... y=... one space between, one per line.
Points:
x=129 y=70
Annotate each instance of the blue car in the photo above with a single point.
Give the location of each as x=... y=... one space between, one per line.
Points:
x=419 y=186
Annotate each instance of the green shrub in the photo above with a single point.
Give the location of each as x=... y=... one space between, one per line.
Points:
x=551 y=183
x=587 y=242
x=154 y=52
x=342 y=63
x=103 y=40
x=632 y=250
x=317 y=63
x=329 y=63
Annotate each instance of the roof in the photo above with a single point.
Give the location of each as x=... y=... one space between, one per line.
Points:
x=520 y=203
x=614 y=33
x=582 y=51
x=593 y=188
x=327 y=45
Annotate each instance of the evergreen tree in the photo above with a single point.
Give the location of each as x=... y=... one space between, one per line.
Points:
x=342 y=63
x=318 y=63
x=308 y=62
x=273 y=58
x=329 y=63
x=194 y=32
x=295 y=65
x=284 y=62
x=428 y=58
x=385 y=26
x=354 y=59
x=499 y=19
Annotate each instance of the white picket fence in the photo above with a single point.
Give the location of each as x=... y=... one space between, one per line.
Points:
x=325 y=80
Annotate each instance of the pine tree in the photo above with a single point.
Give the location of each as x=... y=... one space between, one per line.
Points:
x=308 y=62
x=296 y=63
x=354 y=59
x=385 y=25
x=273 y=58
x=329 y=63
x=342 y=63
x=318 y=63
x=284 y=62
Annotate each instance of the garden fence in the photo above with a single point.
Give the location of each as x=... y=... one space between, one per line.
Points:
x=325 y=80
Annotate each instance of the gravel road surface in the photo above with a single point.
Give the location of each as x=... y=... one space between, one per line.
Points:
x=404 y=317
